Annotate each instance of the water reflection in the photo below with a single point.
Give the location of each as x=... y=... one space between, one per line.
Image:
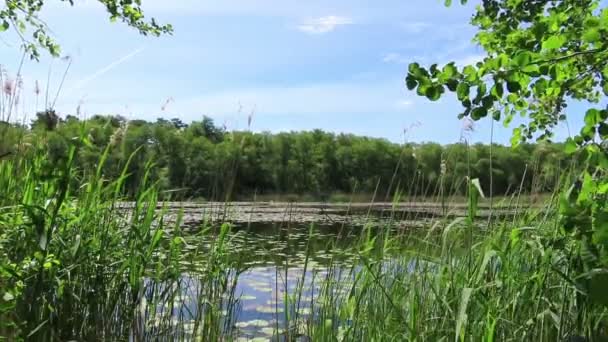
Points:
x=271 y=290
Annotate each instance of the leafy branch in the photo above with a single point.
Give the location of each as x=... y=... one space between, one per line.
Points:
x=23 y=17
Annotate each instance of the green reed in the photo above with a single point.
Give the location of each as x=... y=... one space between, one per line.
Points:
x=80 y=262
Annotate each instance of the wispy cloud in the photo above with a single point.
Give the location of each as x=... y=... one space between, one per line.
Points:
x=396 y=58
x=83 y=82
x=403 y=104
x=324 y=24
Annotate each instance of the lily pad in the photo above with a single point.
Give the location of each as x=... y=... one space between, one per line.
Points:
x=257 y=323
x=269 y=309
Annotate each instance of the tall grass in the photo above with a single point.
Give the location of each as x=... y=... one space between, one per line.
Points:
x=77 y=263
x=74 y=262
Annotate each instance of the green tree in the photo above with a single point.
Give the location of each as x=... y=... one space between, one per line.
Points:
x=543 y=55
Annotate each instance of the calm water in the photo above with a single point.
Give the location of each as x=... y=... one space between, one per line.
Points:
x=276 y=276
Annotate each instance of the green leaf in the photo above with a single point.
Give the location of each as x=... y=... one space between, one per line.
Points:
x=496 y=115
x=76 y=246
x=411 y=82
x=522 y=59
x=603 y=130
x=21 y=26
x=462 y=317
x=462 y=91
x=414 y=68
x=471 y=73
x=487 y=102
x=478 y=113
x=600 y=227
x=156 y=239
x=591 y=35
x=450 y=69
x=497 y=90
x=516 y=137
x=554 y=42
x=434 y=93
x=592 y=22
x=570 y=146
x=448 y=3
x=452 y=84
x=533 y=69
x=4 y=26
x=448 y=72
x=513 y=87
x=592 y=117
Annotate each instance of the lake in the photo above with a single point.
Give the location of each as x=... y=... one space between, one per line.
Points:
x=263 y=275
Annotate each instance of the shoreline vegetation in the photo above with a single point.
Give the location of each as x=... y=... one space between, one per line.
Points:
x=76 y=265
x=201 y=160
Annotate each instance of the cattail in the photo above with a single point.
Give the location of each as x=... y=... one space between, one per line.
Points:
x=8 y=87
x=51 y=119
x=118 y=136
x=18 y=87
x=250 y=118
x=468 y=125
x=166 y=104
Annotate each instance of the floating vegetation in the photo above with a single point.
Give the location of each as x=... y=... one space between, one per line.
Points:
x=304 y=311
x=247 y=297
x=268 y=331
x=256 y=323
x=269 y=309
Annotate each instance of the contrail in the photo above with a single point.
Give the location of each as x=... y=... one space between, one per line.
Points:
x=83 y=82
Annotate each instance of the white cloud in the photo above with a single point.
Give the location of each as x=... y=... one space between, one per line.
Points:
x=402 y=104
x=324 y=24
x=396 y=58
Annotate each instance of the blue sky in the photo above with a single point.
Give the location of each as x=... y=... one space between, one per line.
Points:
x=336 y=65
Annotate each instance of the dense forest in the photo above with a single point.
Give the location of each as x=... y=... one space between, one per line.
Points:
x=201 y=160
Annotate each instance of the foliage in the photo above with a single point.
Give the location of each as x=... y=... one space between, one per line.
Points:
x=78 y=264
x=541 y=57
x=23 y=17
x=201 y=160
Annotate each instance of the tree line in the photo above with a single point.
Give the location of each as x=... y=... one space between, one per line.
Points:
x=203 y=160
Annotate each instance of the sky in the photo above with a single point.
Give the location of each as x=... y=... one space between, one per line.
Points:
x=336 y=65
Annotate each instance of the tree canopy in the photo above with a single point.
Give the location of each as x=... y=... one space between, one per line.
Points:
x=202 y=160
